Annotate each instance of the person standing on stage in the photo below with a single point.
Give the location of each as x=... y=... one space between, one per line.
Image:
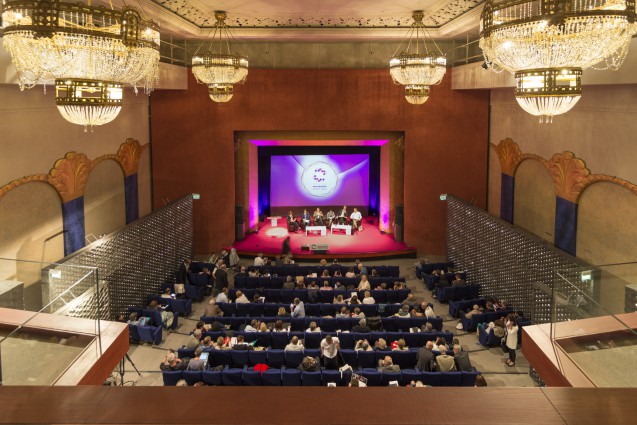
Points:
x=356 y=218
x=318 y=217
x=305 y=219
x=342 y=216
x=330 y=217
x=292 y=221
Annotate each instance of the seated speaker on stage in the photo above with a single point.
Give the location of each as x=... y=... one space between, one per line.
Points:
x=356 y=218
x=292 y=224
x=305 y=219
x=342 y=216
x=318 y=217
x=330 y=217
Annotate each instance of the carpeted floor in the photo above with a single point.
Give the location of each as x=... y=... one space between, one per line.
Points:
x=489 y=361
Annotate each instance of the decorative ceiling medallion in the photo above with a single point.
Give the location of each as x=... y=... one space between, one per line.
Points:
x=189 y=11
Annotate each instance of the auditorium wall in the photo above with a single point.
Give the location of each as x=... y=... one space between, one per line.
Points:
x=34 y=137
x=599 y=131
x=445 y=141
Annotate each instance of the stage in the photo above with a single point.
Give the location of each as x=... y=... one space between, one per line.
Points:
x=370 y=243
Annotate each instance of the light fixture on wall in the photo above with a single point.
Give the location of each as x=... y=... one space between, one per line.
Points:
x=89 y=52
x=547 y=44
x=219 y=67
x=414 y=65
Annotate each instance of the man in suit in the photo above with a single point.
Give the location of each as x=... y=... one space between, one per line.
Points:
x=342 y=216
x=425 y=358
x=305 y=219
x=221 y=278
x=318 y=217
x=462 y=359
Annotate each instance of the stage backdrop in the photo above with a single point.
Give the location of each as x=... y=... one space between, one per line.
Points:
x=445 y=143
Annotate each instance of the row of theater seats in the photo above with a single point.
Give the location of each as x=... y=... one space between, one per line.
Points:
x=279 y=340
x=272 y=309
x=464 y=305
x=153 y=331
x=389 y=324
x=288 y=295
x=276 y=282
x=180 y=306
x=431 y=280
x=276 y=358
x=297 y=270
x=294 y=377
x=426 y=269
x=454 y=293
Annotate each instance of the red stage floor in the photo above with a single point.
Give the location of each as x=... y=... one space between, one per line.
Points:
x=366 y=244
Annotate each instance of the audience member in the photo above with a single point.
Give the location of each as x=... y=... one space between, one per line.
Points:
x=361 y=327
x=166 y=294
x=425 y=358
x=282 y=312
x=171 y=362
x=241 y=298
x=241 y=344
x=458 y=281
x=445 y=362
x=259 y=261
x=362 y=345
x=357 y=313
x=193 y=339
x=368 y=298
x=263 y=327
x=401 y=345
x=309 y=364
x=252 y=326
x=350 y=273
x=364 y=285
x=278 y=327
x=476 y=310
x=381 y=345
x=339 y=300
x=344 y=312
x=462 y=359
x=326 y=286
x=354 y=300
x=223 y=296
x=387 y=365
x=329 y=351
x=298 y=308
x=313 y=328
x=196 y=363
x=294 y=345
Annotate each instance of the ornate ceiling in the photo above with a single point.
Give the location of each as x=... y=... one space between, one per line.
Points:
x=316 y=19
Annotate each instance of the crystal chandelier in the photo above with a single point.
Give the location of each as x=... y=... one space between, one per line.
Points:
x=220 y=69
x=89 y=52
x=547 y=43
x=414 y=66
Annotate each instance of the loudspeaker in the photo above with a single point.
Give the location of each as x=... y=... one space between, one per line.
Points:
x=238 y=214
x=239 y=231
x=319 y=248
x=305 y=247
x=400 y=212
x=398 y=232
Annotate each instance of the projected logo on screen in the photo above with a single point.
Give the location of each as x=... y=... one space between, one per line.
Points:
x=319 y=179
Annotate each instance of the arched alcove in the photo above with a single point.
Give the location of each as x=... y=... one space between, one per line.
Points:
x=607 y=234
x=144 y=184
x=534 y=200
x=104 y=199
x=30 y=229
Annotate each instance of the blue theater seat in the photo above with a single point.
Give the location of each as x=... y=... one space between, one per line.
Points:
x=374 y=378
x=291 y=377
x=251 y=378
x=433 y=379
x=387 y=377
x=239 y=358
x=293 y=358
x=171 y=377
x=232 y=377
x=192 y=377
x=211 y=377
x=271 y=378
x=469 y=378
x=311 y=379
x=340 y=379
x=452 y=379
x=276 y=358
x=257 y=357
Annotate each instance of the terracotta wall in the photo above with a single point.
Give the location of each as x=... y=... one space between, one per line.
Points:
x=445 y=141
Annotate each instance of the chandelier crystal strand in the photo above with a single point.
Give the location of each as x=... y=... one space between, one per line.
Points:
x=219 y=68
x=74 y=43
x=533 y=36
x=415 y=69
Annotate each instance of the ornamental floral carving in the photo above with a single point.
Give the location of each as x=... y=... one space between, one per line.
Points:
x=128 y=156
x=569 y=175
x=509 y=155
x=70 y=174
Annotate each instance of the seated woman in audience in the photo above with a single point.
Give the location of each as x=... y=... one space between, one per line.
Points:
x=326 y=273
x=363 y=345
x=196 y=363
x=368 y=298
x=282 y=312
x=263 y=328
x=338 y=300
x=221 y=344
x=350 y=273
x=375 y=273
x=354 y=300
x=476 y=310
x=344 y=312
x=326 y=286
x=364 y=285
x=300 y=285
x=278 y=326
x=241 y=298
x=498 y=328
x=404 y=311
x=401 y=345
x=381 y=345
x=357 y=313
x=338 y=273
x=428 y=327
x=441 y=342
x=313 y=328
x=166 y=294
